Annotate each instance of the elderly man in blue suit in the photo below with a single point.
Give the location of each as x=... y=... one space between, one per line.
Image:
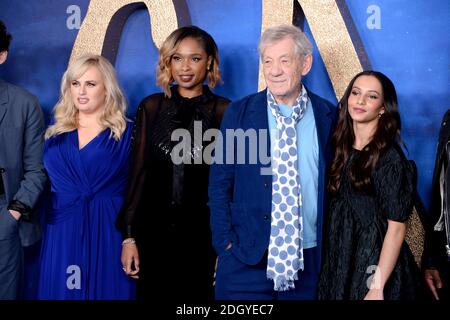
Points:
x=267 y=216
x=22 y=176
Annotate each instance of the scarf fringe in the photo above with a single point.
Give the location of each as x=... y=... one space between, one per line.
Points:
x=285 y=284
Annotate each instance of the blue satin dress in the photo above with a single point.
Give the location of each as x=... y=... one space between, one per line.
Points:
x=81 y=249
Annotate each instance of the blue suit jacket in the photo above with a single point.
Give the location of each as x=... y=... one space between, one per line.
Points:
x=21 y=147
x=240 y=197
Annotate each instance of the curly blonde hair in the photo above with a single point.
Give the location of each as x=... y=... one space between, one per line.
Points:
x=65 y=112
x=164 y=77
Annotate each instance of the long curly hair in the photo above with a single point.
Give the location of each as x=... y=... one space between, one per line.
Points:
x=65 y=112
x=164 y=77
x=387 y=133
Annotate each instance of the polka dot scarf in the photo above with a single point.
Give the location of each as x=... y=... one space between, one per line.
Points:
x=285 y=255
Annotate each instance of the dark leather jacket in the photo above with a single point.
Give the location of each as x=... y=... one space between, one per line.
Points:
x=434 y=255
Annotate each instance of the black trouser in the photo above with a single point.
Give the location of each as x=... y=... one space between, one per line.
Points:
x=11 y=254
x=178 y=265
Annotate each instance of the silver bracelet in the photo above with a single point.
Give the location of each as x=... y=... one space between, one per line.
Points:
x=128 y=240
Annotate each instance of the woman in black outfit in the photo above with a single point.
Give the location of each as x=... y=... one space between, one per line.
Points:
x=165 y=220
x=372 y=189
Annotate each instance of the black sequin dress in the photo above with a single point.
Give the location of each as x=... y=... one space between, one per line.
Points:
x=355 y=230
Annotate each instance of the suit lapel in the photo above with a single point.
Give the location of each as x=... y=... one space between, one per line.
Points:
x=258 y=111
x=323 y=118
x=3 y=99
x=258 y=117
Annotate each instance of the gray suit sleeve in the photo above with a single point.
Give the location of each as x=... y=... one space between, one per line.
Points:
x=34 y=176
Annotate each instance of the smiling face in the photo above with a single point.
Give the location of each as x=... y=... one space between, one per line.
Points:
x=283 y=70
x=365 y=103
x=189 y=65
x=88 y=92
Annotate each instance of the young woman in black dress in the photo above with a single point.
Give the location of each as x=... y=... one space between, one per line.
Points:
x=372 y=192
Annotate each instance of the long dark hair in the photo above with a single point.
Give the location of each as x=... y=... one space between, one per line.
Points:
x=387 y=133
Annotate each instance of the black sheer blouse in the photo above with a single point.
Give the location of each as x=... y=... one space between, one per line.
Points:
x=162 y=194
